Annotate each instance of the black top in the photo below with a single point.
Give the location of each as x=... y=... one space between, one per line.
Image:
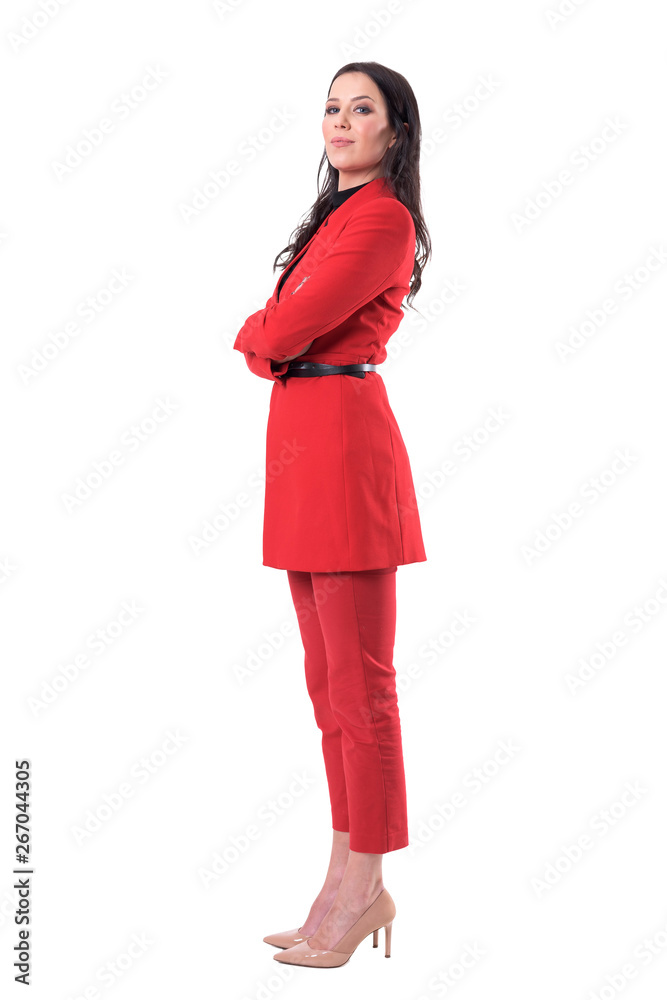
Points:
x=337 y=199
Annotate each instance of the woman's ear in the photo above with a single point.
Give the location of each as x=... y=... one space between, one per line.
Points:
x=393 y=139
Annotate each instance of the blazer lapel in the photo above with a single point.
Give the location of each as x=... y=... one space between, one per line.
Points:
x=337 y=218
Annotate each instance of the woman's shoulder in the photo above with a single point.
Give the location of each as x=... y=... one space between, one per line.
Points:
x=387 y=211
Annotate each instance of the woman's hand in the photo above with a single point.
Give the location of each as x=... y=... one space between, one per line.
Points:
x=291 y=357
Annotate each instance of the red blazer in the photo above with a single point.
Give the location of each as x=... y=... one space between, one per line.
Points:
x=339 y=493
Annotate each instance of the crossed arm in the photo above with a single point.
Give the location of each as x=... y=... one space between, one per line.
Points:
x=371 y=247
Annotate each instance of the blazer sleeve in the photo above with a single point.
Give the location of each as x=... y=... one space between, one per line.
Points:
x=262 y=367
x=370 y=248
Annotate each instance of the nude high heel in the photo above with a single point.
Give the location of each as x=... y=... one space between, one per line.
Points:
x=285 y=939
x=380 y=913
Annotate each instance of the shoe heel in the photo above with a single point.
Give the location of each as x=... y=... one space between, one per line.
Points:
x=387 y=940
x=375 y=937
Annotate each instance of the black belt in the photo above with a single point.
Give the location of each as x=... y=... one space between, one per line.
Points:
x=306 y=369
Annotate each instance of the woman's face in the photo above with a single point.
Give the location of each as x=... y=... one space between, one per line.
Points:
x=356 y=112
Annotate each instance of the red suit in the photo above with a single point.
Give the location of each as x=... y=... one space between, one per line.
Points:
x=339 y=493
x=340 y=512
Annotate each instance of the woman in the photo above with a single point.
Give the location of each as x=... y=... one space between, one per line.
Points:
x=340 y=512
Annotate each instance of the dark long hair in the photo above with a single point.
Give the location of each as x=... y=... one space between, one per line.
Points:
x=400 y=163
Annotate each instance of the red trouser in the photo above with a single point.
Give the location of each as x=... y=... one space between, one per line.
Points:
x=348 y=624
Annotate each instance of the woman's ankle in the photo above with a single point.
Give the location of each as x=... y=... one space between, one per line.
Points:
x=332 y=881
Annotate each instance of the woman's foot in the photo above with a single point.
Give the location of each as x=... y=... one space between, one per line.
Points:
x=319 y=909
x=352 y=898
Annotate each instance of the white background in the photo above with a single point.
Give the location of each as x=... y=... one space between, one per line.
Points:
x=471 y=881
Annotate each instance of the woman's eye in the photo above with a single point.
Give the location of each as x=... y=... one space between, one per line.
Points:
x=361 y=107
